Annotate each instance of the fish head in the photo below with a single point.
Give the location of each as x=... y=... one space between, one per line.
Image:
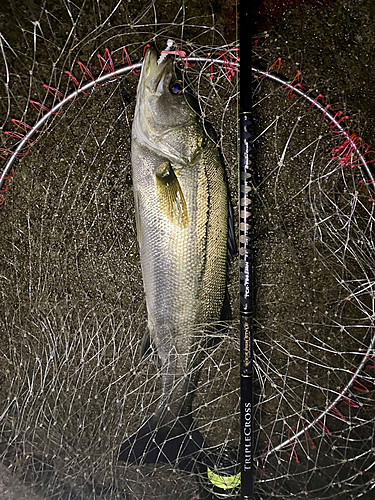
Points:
x=167 y=115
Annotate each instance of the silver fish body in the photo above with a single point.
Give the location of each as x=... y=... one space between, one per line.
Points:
x=181 y=200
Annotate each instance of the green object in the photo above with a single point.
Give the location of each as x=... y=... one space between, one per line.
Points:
x=224 y=482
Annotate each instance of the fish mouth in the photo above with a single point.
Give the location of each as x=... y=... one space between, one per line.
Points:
x=154 y=76
x=153 y=86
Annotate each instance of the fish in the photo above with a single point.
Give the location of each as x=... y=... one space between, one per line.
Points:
x=185 y=236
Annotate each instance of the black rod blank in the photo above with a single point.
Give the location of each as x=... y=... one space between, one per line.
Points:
x=247 y=253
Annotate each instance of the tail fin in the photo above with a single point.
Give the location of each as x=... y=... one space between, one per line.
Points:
x=177 y=444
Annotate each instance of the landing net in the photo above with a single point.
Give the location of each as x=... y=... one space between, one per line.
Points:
x=73 y=315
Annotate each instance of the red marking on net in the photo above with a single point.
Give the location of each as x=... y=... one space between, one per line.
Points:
x=350 y=402
x=56 y=93
x=334 y=122
x=337 y=413
x=25 y=127
x=5 y=189
x=262 y=471
x=180 y=53
x=106 y=62
x=325 y=111
x=7 y=152
x=6 y=177
x=4 y=152
x=310 y=439
x=291 y=93
x=40 y=108
x=229 y=66
x=276 y=63
x=348 y=151
x=22 y=137
x=73 y=78
x=324 y=427
x=75 y=81
x=321 y=97
x=125 y=53
x=144 y=50
x=293 y=455
x=295 y=83
x=16 y=135
x=297 y=78
x=370 y=363
x=235 y=59
x=85 y=71
x=211 y=68
x=369 y=161
x=372 y=160
x=359 y=387
x=366 y=181
x=348 y=144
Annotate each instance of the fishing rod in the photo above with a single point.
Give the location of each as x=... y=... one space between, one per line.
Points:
x=247 y=253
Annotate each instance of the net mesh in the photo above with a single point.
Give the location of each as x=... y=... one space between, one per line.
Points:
x=73 y=314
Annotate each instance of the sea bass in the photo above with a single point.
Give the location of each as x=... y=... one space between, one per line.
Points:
x=183 y=222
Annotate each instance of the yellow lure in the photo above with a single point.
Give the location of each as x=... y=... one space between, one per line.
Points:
x=224 y=482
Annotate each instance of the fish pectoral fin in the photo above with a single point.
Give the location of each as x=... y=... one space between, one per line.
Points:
x=171 y=198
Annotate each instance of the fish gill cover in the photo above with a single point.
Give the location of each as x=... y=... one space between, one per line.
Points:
x=73 y=316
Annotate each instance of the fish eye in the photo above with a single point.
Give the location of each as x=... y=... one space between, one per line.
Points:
x=176 y=88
